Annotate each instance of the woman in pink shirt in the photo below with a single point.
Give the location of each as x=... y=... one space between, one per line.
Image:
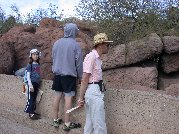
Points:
x=91 y=91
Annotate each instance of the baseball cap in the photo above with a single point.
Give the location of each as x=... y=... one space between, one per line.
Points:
x=34 y=51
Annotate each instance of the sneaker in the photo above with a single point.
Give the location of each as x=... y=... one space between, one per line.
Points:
x=33 y=117
x=37 y=114
x=57 y=123
x=72 y=126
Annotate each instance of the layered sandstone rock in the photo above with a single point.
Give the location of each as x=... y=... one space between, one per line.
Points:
x=115 y=57
x=173 y=90
x=133 y=52
x=171 y=44
x=125 y=78
x=165 y=80
x=170 y=62
x=142 y=49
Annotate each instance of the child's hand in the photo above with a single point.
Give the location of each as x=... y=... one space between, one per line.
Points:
x=32 y=89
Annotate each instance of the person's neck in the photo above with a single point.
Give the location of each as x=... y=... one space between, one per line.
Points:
x=99 y=52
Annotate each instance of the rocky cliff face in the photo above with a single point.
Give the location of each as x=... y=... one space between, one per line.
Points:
x=6 y=57
x=23 y=38
x=150 y=63
x=145 y=64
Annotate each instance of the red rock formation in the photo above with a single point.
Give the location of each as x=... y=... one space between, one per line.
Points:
x=48 y=22
x=24 y=38
x=6 y=58
x=18 y=41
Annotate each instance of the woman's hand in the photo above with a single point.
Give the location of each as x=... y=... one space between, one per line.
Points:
x=31 y=89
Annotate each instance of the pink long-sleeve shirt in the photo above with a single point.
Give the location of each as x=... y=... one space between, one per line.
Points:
x=92 y=64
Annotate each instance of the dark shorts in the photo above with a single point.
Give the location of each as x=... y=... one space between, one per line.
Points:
x=65 y=84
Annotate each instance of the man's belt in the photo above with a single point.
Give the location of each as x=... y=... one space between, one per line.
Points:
x=101 y=85
x=94 y=83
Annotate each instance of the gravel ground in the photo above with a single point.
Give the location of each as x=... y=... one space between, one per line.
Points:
x=9 y=127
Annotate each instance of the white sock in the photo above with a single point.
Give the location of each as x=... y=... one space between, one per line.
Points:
x=57 y=119
x=67 y=124
x=31 y=115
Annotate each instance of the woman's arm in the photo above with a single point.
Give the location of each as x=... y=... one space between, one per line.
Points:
x=29 y=81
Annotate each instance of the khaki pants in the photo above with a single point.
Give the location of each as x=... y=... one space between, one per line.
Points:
x=95 y=113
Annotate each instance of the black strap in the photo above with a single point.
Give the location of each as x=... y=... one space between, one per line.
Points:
x=101 y=85
x=31 y=68
x=94 y=83
x=76 y=69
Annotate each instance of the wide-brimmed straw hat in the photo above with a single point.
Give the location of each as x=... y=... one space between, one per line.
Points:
x=100 y=38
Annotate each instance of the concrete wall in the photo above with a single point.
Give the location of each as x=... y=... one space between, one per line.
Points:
x=127 y=111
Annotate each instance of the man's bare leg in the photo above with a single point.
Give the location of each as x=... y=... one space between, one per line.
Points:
x=56 y=102
x=68 y=105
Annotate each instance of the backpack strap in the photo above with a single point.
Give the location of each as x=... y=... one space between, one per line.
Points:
x=31 y=68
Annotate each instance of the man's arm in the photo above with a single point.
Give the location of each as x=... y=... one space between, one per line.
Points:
x=88 y=65
x=84 y=85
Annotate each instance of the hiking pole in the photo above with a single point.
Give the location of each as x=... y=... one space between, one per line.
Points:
x=72 y=109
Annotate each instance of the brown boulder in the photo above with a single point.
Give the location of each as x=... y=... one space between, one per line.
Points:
x=12 y=35
x=171 y=44
x=115 y=57
x=114 y=78
x=172 y=90
x=22 y=47
x=170 y=62
x=144 y=88
x=143 y=49
x=133 y=52
x=7 y=58
x=129 y=76
x=49 y=22
x=166 y=80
